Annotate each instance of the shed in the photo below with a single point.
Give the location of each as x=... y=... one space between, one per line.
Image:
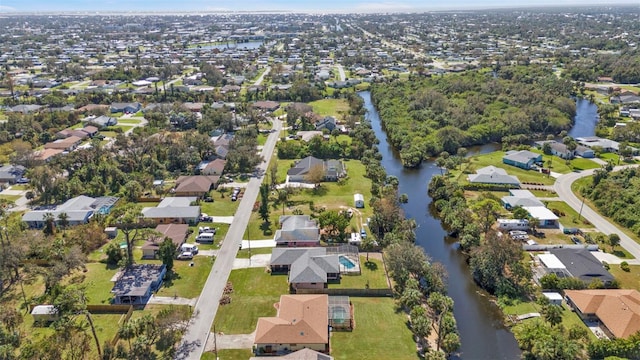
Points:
x=358 y=200
x=554 y=298
x=546 y=217
x=44 y=313
x=111 y=231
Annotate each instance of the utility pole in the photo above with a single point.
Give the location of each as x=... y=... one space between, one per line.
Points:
x=215 y=342
x=581 y=206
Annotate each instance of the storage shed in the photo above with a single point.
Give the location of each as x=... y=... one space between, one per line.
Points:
x=358 y=201
x=43 y=314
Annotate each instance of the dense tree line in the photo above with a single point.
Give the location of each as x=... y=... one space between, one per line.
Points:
x=427 y=116
x=623 y=68
x=495 y=261
x=617 y=195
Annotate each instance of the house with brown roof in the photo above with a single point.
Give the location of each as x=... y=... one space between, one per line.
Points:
x=176 y=232
x=46 y=155
x=302 y=322
x=198 y=185
x=67 y=144
x=266 y=105
x=93 y=107
x=215 y=167
x=618 y=310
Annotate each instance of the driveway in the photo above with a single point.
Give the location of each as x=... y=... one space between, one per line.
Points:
x=256 y=261
x=563 y=189
x=223 y=341
x=193 y=342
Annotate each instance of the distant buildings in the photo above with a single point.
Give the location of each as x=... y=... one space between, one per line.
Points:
x=78 y=211
x=493 y=176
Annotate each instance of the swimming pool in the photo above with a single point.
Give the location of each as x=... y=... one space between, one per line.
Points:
x=344 y=261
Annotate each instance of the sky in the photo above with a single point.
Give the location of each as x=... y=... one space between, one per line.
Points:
x=355 y=6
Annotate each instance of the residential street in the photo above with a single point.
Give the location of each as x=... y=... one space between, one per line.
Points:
x=193 y=343
x=261 y=78
x=343 y=76
x=563 y=189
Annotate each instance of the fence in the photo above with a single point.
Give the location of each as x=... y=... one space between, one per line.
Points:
x=349 y=292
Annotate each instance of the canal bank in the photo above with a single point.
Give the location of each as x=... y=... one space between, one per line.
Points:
x=480 y=322
x=482 y=331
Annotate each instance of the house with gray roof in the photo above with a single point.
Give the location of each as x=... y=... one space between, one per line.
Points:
x=581 y=264
x=494 y=176
x=127 y=108
x=520 y=198
x=297 y=231
x=523 y=159
x=333 y=169
x=11 y=173
x=308 y=268
x=174 y=210
x=135 y=284
x=78 y=210
x=102 y=121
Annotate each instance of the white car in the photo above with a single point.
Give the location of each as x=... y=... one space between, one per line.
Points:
x=185 y=256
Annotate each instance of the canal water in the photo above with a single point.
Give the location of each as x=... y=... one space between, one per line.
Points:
x=480 y=322
x=585 y=120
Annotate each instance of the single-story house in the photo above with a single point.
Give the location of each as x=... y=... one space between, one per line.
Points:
x=302 y=321
x=11 y=173
x=297 y=231
x=617 y=310
x=327 y=122
x=102 y=121
x=78 y=211
x=46 y=155
x=215 y=167
x=333 y=169
x=545 y=216
x=520 y=198
x=134 y=284
x=585 y=152
x=92 y=107
x=176 y=232
x=306 y=136
x=174 y=210
x=127 y=108
x=358 y=201
x=552 y=265
x=303 y=354
x=523 y=159
x=581 y=264
x=308 y=268
x=513 y=224
x=493 y=175
x=605 y=144
x=67 y=144
x=198 y=185
x=266 y=105
x=560 y=150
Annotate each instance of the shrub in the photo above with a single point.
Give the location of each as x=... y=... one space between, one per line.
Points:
x=625 y=266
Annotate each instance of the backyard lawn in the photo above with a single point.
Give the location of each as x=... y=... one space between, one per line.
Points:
x=220 y=206
x=228 y=354
x=628 y=280
x=372 y=274
x=330 y=107
x=254 y=294
x=380 y=331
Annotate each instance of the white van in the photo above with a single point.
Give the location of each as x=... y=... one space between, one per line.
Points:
x=189 y=248
x=205 y=237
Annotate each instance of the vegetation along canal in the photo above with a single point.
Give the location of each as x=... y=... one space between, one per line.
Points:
x=480 y=322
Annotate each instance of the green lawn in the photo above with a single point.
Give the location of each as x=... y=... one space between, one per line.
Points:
x=124 y=128
x=628 y=280
x=19 y=187
x=244 y=253
x=372 y=274
x=98 y=282
x=518 y=307
x=381 y=332
x=584 y=164
x=544 y=193
x=330 y=107
x=262 y=139
x=570 y=217
x=11 y=198
x=254 y=294
x=220 y=206
x=129 y=121
x=569 y=318
x=187 y=281
x=227 y=354
x=495 y=159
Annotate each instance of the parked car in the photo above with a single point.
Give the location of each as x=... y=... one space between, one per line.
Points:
x=576 y=240
x=570 y=231
x=234 y=197
x=185 y=256
x=363 y=234
x=208 y=199
x=22 y=180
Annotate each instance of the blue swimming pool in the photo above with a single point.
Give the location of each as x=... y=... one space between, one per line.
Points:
x=344 y=261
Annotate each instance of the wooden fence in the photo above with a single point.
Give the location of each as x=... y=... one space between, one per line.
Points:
x=349 y=292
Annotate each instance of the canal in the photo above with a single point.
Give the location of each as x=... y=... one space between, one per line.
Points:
x=480 y=322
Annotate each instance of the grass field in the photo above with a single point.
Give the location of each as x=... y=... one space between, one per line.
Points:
x=372 y=274
x=254 y=294
x=187 y=281
x=570 y=217
x=98 y=282
x=221 y=206
x=125 y=128
x=380 y=331
x=11 y=198
x=19 y=187
x=330 y=107
x=129 y=121
x=228 y=354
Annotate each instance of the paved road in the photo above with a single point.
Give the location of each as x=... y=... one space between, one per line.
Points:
x=261 y=78
x=563 y=189
x=343 y=76
x=193 y=342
